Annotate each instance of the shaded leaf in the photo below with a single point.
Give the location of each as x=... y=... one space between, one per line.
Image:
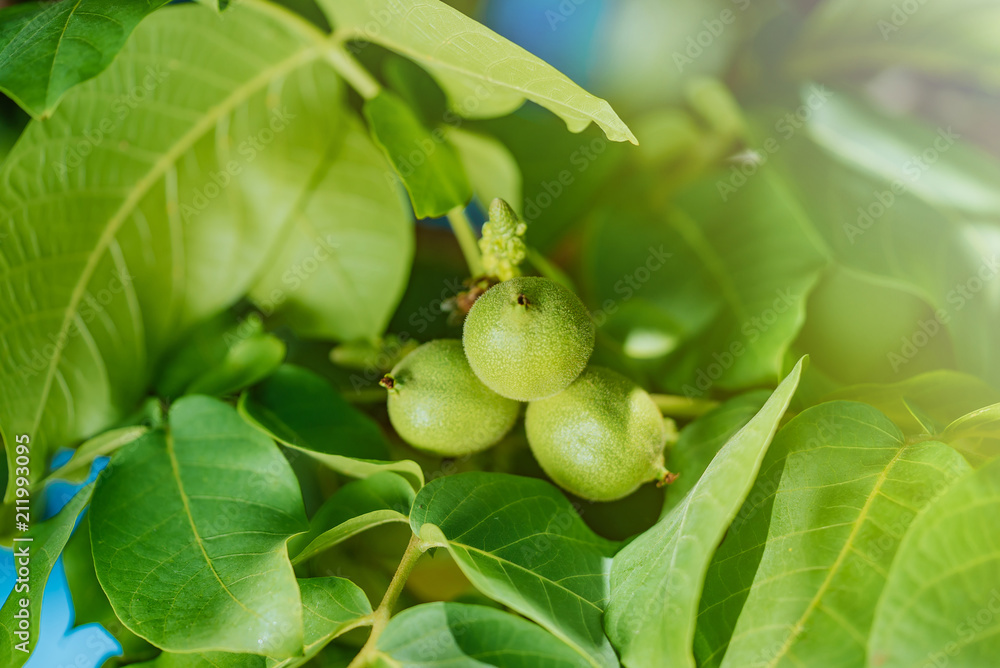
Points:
x=424 y=161
x=198 y=561
x=341 y=265
x=46 y=48
x=301 y=410
x=357 y=506
x=656 y=579
x=456 y=634
x=520 y=542
x=492 y=170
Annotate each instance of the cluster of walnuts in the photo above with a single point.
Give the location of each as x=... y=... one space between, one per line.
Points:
x=528 y=339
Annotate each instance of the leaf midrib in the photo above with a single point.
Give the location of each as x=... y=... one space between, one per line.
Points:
x=185 y=501
x=156 y=171
x=841 y=557
x=555 y=630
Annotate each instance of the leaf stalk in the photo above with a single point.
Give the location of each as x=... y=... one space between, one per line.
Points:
x=467 y=241
x=380 y=618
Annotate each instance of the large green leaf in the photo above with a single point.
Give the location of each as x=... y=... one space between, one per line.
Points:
x=456 y=634
x=189 y=527
x=699 y=442
x=303 y=411
x=849 y=490
x=124 y=226
x=656 y=580
x=521 y=543
x=942 y=597
x=725 y=300
x=39 y=554
x=379 y=499
x=46 y=48
x=346 y=248
x=483 y=74
x=424 y=161
x=127 y=235
x=952 y=41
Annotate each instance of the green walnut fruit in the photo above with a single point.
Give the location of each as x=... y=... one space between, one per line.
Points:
x=438 y=405
x=601 y=438
x=528 y=338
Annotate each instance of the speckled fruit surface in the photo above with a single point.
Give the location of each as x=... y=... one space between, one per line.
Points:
x=600 y=438
x=437 y=404
x=528 y=338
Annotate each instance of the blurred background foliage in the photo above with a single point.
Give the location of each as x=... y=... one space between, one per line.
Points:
x=823 y=174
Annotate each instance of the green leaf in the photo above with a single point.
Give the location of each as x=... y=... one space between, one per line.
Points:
x=424 y=161
x=945 y=395
x=456 y=634
x=330 y=607
x=46 y=48
x=483 y=74
x=730 y=299
x=976 y=435
x=492 y=170
x=359 y=505
x=656 y=580
x=246 y=363
x=154 y=214
x=520 y=542
x=205 y=660
x=301 y=410
x=849 y=489
x=220 y=356
x=700 y=441
x=46 y=541
x=341 y=265
x=189 y=527
x=942 y=596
